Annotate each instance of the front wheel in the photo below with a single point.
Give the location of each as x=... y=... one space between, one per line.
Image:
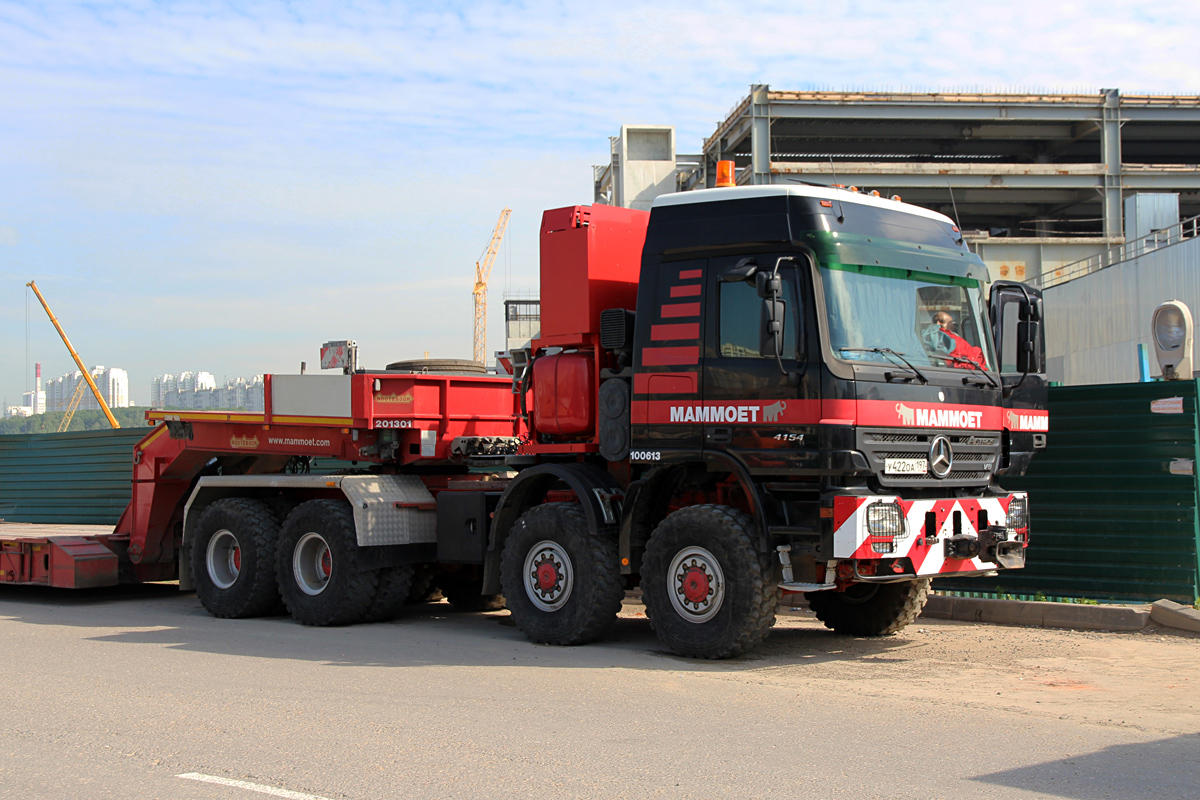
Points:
x=317 y=565
x=870 y=609
x=563 y=584
x=708 y=592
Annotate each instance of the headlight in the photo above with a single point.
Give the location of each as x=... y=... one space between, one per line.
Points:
x=1018 y=514
x=885 y=523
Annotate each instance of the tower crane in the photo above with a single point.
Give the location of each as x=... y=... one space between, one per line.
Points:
x=483 y=270
x=87 y=376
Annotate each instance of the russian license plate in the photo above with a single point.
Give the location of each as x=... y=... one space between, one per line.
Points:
x=905 y=466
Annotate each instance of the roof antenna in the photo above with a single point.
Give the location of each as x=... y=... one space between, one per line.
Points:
x=957 y=222
x=841 y=217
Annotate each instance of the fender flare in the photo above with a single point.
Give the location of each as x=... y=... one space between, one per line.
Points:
x=642 y=493
x=599 y=494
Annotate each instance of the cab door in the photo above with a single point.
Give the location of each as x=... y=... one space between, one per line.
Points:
x=1018 y=331
x=753 y=410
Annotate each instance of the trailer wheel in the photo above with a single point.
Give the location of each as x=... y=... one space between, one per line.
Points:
x=870 y=609
x=317 y=565
x=708 y=592
x=233 y=558
x=464 y=592
x=563 y=584
x=395 y=583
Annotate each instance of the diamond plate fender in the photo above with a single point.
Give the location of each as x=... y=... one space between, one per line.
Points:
x=379 y=517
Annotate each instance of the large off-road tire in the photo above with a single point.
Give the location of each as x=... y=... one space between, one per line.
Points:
x=317 y=565
x=395 y=583
x=233 y=558
x=870 y=609
x=463 y=591
x=563 y=584
x=708 y=592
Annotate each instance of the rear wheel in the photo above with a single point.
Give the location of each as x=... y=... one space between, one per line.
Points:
x=233 y=558
x=870 y=609
x=317 y=565
x=708 y=592
x=563 y=584
x=395 y=583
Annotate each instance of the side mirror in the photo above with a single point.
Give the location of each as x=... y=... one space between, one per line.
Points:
x=768 y=284
x=1028 y=355
x=770 y=339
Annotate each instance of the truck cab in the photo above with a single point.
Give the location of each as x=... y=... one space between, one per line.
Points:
x=814 y=380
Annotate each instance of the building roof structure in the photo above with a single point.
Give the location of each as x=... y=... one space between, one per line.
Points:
x=1017 y=165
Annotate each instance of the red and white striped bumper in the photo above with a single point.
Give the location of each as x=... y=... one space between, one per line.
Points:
x=928 y=525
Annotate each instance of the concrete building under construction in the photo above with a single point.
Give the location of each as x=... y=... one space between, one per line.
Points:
x=1038 y=181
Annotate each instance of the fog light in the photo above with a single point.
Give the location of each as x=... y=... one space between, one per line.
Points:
x=885 y=523
x=1018 y=514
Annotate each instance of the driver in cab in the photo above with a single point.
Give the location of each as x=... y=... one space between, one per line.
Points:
x=943 y=339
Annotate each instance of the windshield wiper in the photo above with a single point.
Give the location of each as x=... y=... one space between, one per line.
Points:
x=887 y=351
x=975 y=364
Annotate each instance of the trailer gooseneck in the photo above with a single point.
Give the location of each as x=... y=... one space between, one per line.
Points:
x=744 y=392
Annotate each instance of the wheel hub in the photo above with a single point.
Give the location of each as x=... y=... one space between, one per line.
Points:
x=312 y=563
x=223 y=559
x=549 y=576
x=696 y=584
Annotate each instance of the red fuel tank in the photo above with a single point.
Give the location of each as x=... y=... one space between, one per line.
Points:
x=563 y=393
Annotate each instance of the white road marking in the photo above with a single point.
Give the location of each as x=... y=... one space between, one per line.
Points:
x=253 y=787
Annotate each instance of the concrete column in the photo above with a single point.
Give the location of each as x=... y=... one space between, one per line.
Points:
x=1110 y=146
x=760 y=134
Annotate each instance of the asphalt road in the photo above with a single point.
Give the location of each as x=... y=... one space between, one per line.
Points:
x=115 y=693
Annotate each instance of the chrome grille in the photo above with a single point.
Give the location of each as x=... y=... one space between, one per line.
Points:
x=976 y=455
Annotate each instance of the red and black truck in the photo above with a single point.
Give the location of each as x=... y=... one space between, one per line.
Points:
x=742 y=393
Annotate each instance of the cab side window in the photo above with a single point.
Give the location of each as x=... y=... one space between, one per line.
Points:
x=741 y=318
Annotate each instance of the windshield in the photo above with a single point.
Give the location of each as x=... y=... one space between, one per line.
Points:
x=932 y=320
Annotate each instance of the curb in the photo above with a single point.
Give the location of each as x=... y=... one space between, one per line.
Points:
x=1166 y=612
x=1039 y=615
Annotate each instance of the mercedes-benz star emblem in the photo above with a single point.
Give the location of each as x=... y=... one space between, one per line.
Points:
x=941 y=456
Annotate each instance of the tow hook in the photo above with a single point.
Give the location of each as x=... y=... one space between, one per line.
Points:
x=991 y=545
x=962 y=546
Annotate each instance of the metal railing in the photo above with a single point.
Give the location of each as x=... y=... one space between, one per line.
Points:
x=1181 y=231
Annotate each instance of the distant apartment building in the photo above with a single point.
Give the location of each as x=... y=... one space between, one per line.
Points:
x=113 y=383
x=199 y=391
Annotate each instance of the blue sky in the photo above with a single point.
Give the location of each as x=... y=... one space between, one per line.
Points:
x=225 y=186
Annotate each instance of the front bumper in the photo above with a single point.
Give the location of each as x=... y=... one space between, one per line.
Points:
x=937 y=537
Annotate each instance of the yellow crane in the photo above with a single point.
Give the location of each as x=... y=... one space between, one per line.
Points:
x=65 y=422
x=483 y=270
x=79 y=363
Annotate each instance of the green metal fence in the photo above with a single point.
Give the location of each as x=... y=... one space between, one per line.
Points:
x=1113 y=499
x=82 y=478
